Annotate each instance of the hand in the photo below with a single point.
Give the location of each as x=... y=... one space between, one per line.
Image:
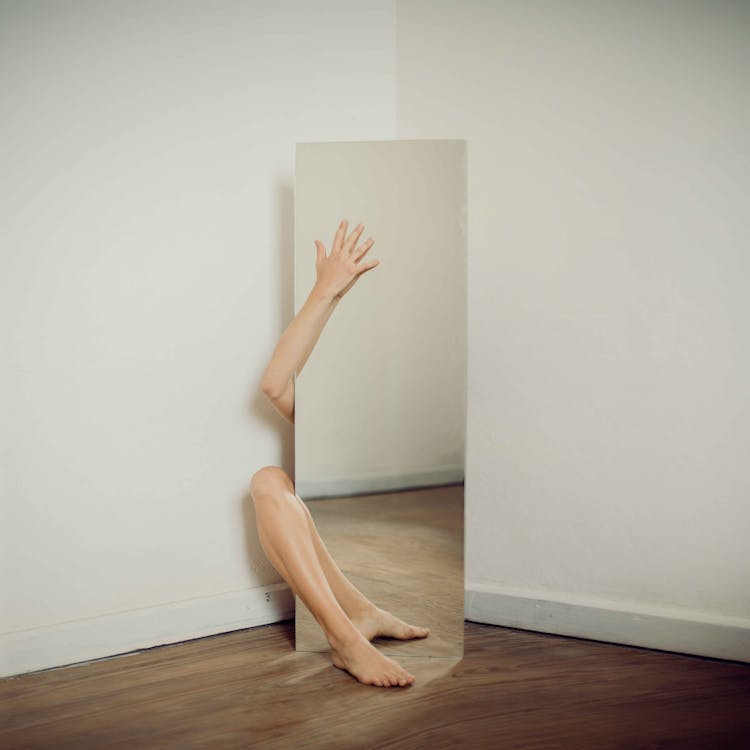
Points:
x=338 y=272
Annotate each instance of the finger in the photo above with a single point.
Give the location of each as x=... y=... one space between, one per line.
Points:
x=353 y=237
x=339 y=237
x=321 y=251
x=361 y=251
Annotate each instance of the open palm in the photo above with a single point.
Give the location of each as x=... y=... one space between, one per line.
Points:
x=338 y=272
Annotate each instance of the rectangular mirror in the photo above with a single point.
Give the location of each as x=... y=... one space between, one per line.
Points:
x=380 y=408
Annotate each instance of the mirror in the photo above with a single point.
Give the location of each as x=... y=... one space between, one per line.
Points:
x=380 y=408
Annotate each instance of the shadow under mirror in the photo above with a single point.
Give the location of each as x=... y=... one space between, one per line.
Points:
x=380 y=408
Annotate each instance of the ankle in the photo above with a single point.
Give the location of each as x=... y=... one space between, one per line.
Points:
x=344 y=639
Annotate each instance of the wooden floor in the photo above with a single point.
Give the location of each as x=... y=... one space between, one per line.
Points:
x=405 y=552
x=512 y=689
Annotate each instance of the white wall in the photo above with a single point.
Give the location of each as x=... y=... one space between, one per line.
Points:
x=147 y=259
x=609 y=412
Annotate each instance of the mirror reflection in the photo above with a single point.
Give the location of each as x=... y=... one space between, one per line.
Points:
x=380 y=409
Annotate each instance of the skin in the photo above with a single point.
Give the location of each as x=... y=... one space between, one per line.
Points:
x=286 y=529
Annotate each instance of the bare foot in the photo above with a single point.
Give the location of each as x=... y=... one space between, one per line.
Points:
x=364 y=662
x=379 y=622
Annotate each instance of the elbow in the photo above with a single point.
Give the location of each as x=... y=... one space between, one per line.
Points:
x=269 y=390
x=281 y=398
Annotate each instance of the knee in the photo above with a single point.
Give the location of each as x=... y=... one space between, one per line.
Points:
x=269 y=481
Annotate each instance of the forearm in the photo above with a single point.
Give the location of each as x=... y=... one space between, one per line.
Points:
x=297 y=342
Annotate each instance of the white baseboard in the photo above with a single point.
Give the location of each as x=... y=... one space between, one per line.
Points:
x=69 y=643
x=665 y=629
x=344 y=486
x=120 y=633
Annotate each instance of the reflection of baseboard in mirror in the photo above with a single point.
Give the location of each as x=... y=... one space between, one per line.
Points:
x=380 y=408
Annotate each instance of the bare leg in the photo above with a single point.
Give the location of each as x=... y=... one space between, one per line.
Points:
x=285 y=537
x=370 y=620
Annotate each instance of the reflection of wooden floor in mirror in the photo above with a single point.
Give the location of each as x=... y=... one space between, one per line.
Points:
x=404 y=552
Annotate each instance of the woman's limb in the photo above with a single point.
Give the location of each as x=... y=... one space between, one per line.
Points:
x=369 y=619
x=285 y=537
x=335 y=275
x=293 y=350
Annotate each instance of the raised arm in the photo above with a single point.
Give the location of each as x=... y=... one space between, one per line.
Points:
x=336 y=274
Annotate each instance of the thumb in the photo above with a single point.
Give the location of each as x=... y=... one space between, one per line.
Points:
x=372 y=264
x=321 y=251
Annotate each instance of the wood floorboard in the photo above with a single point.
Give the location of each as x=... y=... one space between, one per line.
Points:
x=513 y=689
